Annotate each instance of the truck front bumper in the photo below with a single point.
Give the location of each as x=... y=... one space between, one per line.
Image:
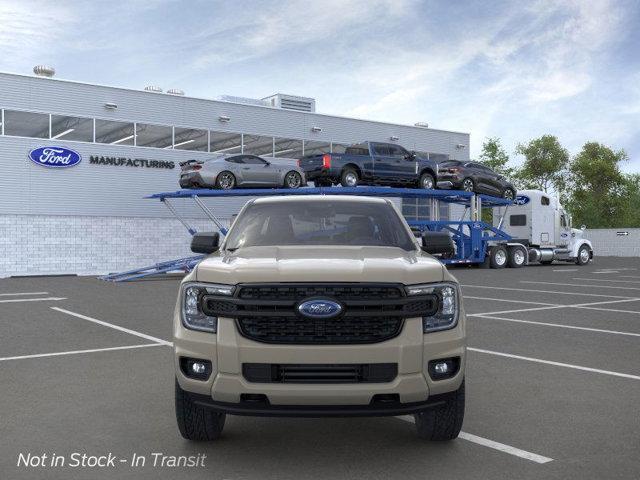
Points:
x=228 y=390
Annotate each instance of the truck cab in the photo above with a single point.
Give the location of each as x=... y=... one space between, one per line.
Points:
x=538 y=221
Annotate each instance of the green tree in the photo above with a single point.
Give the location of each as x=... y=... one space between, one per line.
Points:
x=495 y=157
x=599 y=191
x=545 y=164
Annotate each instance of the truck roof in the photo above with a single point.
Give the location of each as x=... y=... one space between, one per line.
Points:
x=322 y=198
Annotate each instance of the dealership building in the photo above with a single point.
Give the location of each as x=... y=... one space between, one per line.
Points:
x=91 y=217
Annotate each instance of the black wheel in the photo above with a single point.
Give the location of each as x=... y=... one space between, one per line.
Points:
x=292 y=179
x=584 y=255
x=498 y=257
x=468 y=185
x=427 y=181
x=508 y=194
x=225 y=180
x=349 y=178
x=196 y=422
x=517 y=257
x=444 y=422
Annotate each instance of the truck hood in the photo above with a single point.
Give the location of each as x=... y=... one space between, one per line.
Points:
x=320 y=264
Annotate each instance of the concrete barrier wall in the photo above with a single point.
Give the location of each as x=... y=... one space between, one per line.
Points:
x=618 y=242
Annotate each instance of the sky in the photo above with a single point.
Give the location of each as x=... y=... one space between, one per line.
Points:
x=514 y=70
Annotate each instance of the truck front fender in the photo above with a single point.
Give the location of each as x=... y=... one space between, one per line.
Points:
x=579 y=243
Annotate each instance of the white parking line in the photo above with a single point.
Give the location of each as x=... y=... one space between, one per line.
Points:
x=565 y=269
x=557 y=364
x=530 y=290
x=604 y=280
x=115 y=327
x=23 y=293
x=485 y=442
x=559 y=325
x=76 y=352
x=579 y=285
x=44 y=299
x=552 y=307
x=507 y=300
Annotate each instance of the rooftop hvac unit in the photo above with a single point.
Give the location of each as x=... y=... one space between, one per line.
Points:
x=175 y=91
x=44 y=71
x=153 y=88
x=292 y=102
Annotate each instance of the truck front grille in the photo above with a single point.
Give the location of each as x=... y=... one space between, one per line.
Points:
x=341 y=330
x=371 y=312
x=320 y=373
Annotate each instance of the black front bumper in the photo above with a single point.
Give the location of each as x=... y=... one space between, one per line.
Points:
x=374 y=409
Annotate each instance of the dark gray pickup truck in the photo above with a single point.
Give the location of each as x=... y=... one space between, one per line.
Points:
x=371 y=163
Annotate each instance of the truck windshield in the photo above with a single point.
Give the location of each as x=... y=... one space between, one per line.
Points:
x=319 y=223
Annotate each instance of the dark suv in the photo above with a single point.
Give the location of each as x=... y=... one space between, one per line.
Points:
x=474 y=177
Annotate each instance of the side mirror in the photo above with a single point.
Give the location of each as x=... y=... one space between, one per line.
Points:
x=438 y=243
x=206 y=242
x=583 y=227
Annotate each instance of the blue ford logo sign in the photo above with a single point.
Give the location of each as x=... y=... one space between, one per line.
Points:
x=521 y=200
x=320 y=308
x=55 y=157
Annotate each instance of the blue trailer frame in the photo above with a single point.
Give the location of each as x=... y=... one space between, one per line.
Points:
x=472 y=237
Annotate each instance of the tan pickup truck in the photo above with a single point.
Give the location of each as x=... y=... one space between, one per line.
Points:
x=319 y=306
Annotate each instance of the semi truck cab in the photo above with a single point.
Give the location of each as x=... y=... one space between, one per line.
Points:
x=538 y=221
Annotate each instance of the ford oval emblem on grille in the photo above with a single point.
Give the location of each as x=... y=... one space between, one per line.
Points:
x=320 y=308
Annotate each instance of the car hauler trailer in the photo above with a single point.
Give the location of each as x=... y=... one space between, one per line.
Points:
x=476 y=242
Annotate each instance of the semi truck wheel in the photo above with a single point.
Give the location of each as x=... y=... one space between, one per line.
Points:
x=498 y=257
x=583 y=255
x=194 y=421
x=517 y=257
x=444 y=422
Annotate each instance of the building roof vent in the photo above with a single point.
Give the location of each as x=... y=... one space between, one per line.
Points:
x=153 y=88
x=44 y=71
x=175 y=91
x=422 y=124
x=244 y=100
x=292 y=102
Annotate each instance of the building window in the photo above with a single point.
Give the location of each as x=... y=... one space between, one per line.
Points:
x=26 y=124
x=157 y=136
x=225 y=142
x=72 y=128
x=287 y=148
x=191 y=139
x=338 y=147
x=258 y=145
x=312 y=147
x=114 y=133
x=419 y=209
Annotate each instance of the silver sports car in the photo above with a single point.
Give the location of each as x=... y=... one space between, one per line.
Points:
x=231 y=171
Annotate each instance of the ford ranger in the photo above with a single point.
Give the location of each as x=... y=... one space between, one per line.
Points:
x=319 y=306
x=371 y=163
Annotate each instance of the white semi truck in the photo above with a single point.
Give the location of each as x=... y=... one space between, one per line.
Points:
x=541 y=232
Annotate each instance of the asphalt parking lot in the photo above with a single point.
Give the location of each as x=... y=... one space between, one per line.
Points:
x=553 y=386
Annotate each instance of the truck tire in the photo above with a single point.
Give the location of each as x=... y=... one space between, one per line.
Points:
x=498 y=257
x=584 y=255
x=196 y=422
x=427 y=181
x=349 y=178
x=517 y=257
x=444 y=422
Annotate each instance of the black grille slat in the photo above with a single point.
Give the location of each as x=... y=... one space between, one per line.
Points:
x=320 y=373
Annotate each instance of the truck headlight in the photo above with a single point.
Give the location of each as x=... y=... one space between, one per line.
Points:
x=192 y=316
x=446 y=317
